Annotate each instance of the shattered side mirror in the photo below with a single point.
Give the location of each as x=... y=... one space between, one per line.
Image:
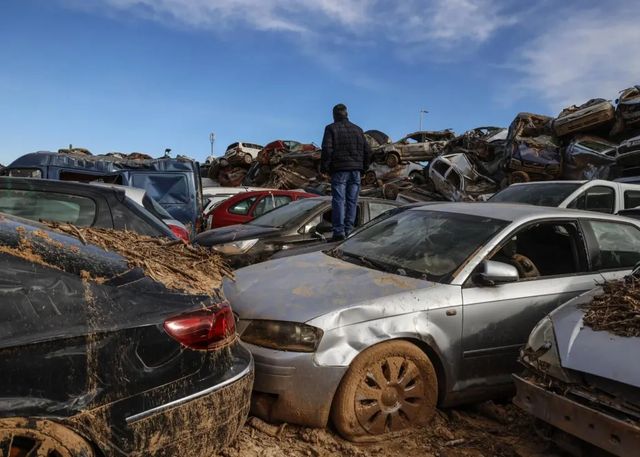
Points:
x=491 y=273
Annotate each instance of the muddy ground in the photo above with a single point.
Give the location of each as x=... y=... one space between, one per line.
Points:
x=484 y=430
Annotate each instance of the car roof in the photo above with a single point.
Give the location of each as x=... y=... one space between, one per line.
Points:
x=542 y=183
x=52 y=184
x=514 y=212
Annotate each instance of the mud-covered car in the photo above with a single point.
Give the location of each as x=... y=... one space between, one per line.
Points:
x=382 y=172
x=99 y=357
x=416 y=147
x=581 y=375
x=589 y=157
x=427 y=307
x=533 y=151
x=85 y=205
x=455 y=177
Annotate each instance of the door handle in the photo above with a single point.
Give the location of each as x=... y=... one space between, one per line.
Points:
x=451 y=312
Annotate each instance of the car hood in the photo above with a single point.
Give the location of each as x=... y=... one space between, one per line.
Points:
x=233 y=233
x=307 y=286
x=598 y=353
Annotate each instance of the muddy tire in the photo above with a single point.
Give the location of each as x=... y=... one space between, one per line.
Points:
x=393 y=160
x=519 y=176
x=388 y=389
x=370 y=178
x=21 y=437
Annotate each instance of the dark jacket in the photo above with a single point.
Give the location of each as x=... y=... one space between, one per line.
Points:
x=344 y=147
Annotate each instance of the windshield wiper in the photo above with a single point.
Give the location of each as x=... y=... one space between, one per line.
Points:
x=375 y=264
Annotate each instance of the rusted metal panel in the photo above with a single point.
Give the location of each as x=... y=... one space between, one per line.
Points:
x=621 y=438
x=589 y=116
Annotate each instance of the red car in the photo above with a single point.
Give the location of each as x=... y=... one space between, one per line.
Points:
x=246 y=206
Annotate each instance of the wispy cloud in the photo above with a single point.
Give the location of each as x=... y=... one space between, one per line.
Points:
x=438 y=22
x=582 y=55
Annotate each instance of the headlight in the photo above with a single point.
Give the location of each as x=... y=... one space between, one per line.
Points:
x=285 y=336
x=235 y=247
x=541 y=351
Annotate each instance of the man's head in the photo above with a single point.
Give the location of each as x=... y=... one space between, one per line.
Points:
x=340 y=112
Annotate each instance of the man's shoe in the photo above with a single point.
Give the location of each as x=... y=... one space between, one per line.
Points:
x=338 y=238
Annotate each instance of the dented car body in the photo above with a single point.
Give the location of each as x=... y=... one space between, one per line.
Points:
x=581 y=381
x=84 y=344
x=411 y=277
x=417 y=147
x=455 y=177
x=589 y=157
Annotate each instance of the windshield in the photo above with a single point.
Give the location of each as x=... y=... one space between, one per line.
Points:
x=550 y=194
x=281 y=216
x=429 y=245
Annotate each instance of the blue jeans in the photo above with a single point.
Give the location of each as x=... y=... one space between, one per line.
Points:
x=345 y=186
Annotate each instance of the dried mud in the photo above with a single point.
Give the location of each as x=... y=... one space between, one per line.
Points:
x=177 y=265
x=617 y=310
x=484 y=430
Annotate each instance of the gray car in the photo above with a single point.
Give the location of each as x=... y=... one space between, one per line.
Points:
x=428 y=307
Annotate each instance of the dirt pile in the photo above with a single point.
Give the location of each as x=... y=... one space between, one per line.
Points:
x=617 y=310
x=177 y=265
x=484 y=430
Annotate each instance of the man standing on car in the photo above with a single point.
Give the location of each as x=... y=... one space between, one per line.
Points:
x=345 y=155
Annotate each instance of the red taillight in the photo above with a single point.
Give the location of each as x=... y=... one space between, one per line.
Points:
x=207 y=328
x=180 y=232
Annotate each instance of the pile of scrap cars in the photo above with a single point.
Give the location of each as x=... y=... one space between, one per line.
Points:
x=149 y=305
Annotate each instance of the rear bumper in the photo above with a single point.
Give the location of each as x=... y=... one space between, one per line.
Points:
x=604 y=431
x=195 y=416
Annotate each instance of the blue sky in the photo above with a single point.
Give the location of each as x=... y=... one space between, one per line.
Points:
x=143 y=75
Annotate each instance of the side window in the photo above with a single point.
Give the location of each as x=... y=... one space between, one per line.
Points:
x=441 y=168
x=242 y=207
x=599 y=198
x=544 y=249
x=48 y=206
x=270 y=202
x=631 y=198
x=619 y=245
x=376 y=209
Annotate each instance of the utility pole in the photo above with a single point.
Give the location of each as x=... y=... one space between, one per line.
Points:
x=212 y=139
x=422 y=111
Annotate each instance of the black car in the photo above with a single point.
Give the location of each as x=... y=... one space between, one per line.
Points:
x=80 y=204
x=99 y=359
x=291 y=226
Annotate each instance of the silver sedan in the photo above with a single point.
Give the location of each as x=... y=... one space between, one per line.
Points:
x=427 y=307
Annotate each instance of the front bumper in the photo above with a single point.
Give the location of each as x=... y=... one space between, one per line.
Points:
x=604 y=431
x=291 y=387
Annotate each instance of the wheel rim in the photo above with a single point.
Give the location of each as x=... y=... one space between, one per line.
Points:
x=390 y=396
x=28 y=443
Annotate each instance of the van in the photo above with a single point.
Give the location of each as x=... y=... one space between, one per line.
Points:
x=173 y=182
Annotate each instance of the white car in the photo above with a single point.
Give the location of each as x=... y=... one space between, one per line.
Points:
x=241 y=152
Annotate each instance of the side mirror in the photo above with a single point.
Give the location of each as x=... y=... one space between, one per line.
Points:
x=323 y=227
x=490 y=273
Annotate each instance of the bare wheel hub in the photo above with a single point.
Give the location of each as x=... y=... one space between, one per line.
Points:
x=390 y=395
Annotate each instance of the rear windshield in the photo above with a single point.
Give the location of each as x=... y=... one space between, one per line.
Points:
x=48 y=206
x=551 y=194
x=169 y=188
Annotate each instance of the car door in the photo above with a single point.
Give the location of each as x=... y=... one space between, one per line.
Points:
x=601 y=199
x=615 y=247
x=236 y=212
x=497 y=319
x=267 y=203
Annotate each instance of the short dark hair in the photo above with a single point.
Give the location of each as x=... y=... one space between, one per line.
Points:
x=340 y=109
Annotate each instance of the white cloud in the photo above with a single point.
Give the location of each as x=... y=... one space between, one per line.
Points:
x=582 y=56
x=440 y=23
